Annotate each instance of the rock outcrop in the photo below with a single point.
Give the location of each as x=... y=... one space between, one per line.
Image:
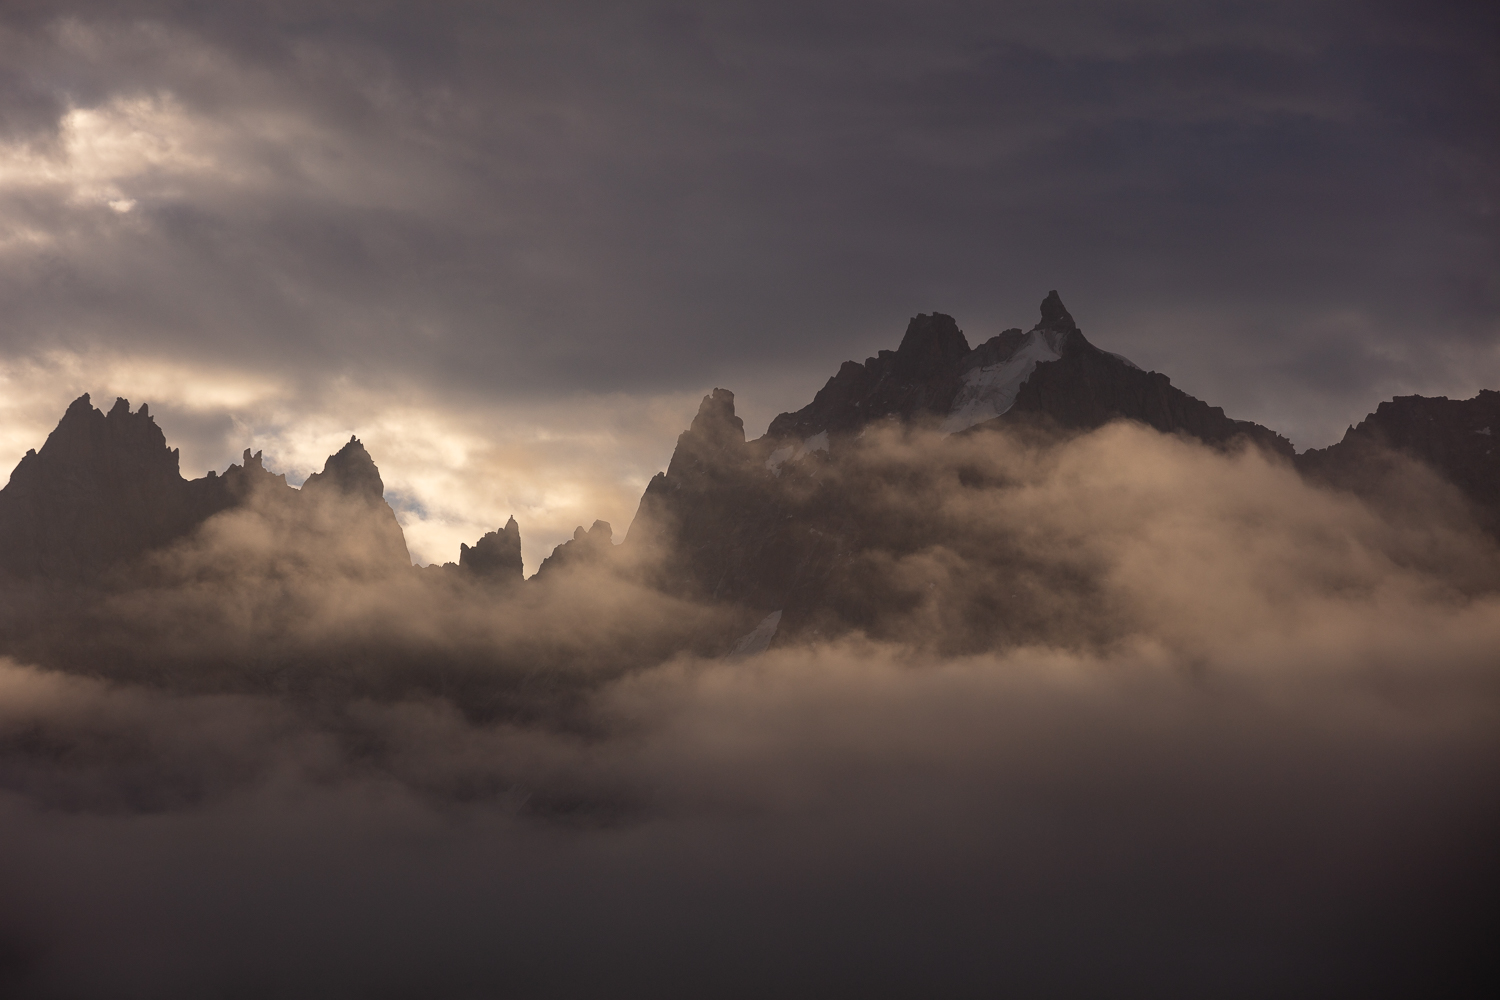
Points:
x=921 y=377
x=1050 y=375
x=594 y=547
x=104 y=490
x=496 y=557
x=350 y=482
x=1458 y=439
x=782 y=522
x=709 y=525
x=1085 y=387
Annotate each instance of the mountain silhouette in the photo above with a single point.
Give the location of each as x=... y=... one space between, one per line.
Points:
x=772 y=524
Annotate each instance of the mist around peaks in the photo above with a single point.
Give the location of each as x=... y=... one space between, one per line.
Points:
x=1116 y=677
x=1045 y=705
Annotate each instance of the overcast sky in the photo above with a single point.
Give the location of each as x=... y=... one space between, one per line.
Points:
x=511 y=245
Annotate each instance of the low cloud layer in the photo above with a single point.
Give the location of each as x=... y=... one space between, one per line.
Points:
x=1223 y=732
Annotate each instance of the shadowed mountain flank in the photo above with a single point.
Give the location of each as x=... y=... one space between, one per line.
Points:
x=1454 y=439
x=1051 y=375
x=586 y=549
x=105 y=490
x=496 y=556
x=919 y=378
x=791 y=522
x=773 y=524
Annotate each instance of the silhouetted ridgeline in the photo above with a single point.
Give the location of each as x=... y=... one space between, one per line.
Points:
x=820 y=522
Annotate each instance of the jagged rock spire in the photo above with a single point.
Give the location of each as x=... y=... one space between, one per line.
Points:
x=715 y=438
x=101 y=489
x=589 y=547
x=496 y=556
x=931 y=343
x=1054 y=314
x=351 y=471
x=920 y=378
x=105 y=488
x=716 y=421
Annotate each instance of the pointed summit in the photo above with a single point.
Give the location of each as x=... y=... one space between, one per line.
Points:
x=496 y=556
x=931 y=343
x=86 y=439
x=101 y=489
x=585 y=548
x=351 y=471
x=920 y=378
x=351 y=474
x=716 y=421
x=714 y=441
x=1054 y=314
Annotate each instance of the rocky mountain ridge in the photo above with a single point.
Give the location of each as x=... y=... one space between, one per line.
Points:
x=1051 y=374
x=729 y=519
x=104 y=490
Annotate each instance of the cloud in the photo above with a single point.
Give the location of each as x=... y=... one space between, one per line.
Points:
x=519 y=202
x=1130 y=711
x=1224 y=712
x=455 y=465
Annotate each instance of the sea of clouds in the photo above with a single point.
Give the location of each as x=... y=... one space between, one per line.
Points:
x=1150 y=718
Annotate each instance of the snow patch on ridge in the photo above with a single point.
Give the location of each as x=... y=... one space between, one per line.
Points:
x=818 y=442
x=780 y=455
x=991 y=390
x=758 y=640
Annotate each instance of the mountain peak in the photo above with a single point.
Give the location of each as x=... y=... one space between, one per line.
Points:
x=934 y=336
x=921 y=376
x=496 y=556
x=716 y=423
x=583 y=549
x=1054 y=314
x=351 y=471
x=100 y=488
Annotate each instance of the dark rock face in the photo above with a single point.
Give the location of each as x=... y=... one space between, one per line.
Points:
x=920 y=377
x=784 y=523
x=1459 y=439
x=712 y=518
x=351 y=479
x=495 y=557
x=1087 y=388
x=350 y=472
x=585 y=548
x=1072 y=386
x=105 y=489
x=102 y=489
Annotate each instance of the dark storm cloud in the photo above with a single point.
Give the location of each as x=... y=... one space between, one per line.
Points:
x=524 y=198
